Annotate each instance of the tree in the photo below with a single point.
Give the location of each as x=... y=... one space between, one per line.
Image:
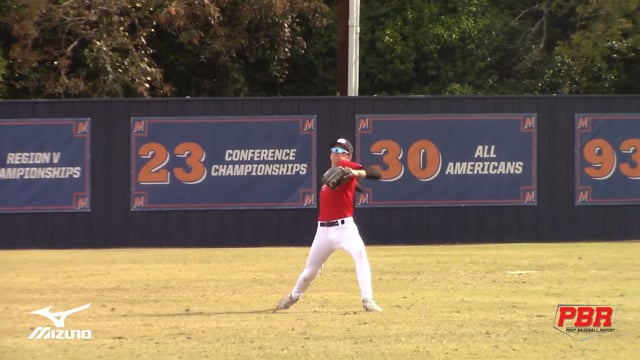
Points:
x=3 y=87
x=80 y=49
x=312 y=72
x=242 y=48
x=429 y=47
x=129 y=48
x=5 y=7
x=116 y=48
x=579 y=47
x=500 y=47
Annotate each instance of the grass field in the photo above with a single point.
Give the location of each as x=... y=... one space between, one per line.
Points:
x=440 y=302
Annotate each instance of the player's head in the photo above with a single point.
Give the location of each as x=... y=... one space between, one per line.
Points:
x=341 y=149
x=343 y=144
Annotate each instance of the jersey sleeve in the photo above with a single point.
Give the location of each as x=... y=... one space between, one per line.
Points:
x=351 y=164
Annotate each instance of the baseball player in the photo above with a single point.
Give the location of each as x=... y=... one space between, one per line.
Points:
x=337 y=230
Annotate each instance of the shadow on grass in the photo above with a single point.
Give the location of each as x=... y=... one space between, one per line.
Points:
x=231 y=312
x=205 y=313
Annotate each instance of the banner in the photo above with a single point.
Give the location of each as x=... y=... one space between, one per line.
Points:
x=607 y=153
x=448 y=159
x=223 y=162
x=44 y=165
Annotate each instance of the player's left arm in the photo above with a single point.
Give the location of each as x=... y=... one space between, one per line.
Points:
x=366 y=172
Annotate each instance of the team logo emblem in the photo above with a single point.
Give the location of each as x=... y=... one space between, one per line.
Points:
x=583 y=322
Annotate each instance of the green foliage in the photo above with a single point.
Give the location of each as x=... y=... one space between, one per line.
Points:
x=239 y=48
x=80 y=49
x=499 y=47
x=6 y=7
x=114 y=48
x=312 y=70
x=607 y=32
x=579 y=47
x=3 y=82
x=429 y=47
x=132 y=48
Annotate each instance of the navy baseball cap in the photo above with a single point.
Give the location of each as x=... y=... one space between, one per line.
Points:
x=343 y=143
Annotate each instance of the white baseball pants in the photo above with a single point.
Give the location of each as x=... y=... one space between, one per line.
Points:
x=327 y=240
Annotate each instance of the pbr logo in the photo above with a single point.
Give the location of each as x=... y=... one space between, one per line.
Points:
x=583 y=322
x=58 y=318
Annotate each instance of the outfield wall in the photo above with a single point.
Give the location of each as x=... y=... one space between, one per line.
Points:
x=111 y=222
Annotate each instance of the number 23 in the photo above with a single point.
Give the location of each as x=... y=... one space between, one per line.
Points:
x=154 y=172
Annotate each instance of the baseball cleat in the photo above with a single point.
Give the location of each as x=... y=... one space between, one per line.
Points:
x=286 y=302
x=370 y=305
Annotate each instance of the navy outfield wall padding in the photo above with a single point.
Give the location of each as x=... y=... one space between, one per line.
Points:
x=111 y=223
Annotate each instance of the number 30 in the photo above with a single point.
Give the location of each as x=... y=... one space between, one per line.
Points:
x=424 y=160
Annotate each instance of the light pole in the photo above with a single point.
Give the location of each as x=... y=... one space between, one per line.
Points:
x=348 y=48
x=354 y=48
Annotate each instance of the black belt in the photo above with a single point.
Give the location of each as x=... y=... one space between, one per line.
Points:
x=332 y=223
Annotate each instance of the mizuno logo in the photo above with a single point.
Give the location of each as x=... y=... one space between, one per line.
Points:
x=58 y=317
x=59 y=334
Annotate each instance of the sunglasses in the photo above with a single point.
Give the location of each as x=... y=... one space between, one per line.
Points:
x=339 y=150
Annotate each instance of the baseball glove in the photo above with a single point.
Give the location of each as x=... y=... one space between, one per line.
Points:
x=335 y=176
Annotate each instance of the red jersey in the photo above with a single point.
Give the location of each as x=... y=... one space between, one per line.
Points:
x=339 y=202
